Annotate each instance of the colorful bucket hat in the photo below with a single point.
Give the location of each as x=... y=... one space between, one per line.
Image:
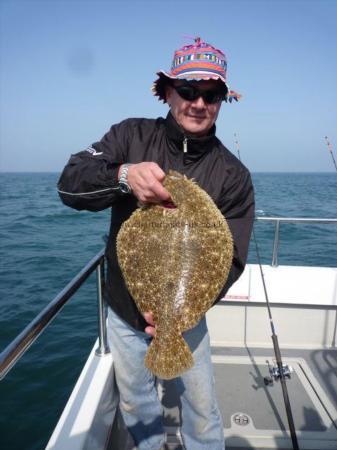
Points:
x=199 y=61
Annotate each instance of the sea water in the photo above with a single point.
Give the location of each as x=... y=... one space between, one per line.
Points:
x=43 y=246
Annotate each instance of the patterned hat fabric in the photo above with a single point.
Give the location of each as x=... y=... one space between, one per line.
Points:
x=199 y=61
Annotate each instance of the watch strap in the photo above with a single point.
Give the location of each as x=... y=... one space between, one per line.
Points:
x=123 y=178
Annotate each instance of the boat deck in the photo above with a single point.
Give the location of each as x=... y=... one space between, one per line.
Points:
x=253 y=412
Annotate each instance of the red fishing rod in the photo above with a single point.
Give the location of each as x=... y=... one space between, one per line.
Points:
x=282 y=371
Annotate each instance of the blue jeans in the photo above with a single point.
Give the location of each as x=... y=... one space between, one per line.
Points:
x=201 y=422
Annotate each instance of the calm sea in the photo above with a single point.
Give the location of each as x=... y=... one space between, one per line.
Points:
x=44 y=244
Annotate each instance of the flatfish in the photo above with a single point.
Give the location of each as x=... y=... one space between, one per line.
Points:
x=175 y=262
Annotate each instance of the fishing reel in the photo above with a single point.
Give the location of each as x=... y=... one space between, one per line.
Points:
x=275 y=375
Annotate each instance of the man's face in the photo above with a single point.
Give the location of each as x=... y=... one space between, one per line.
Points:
x=197 y=116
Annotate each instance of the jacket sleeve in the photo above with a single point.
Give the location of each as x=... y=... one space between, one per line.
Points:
x=89 y=180
x=238 y=207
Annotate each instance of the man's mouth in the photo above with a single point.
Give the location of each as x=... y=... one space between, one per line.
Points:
x=192 y=116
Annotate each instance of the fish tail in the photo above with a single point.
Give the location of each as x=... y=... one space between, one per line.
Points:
x=168 y=355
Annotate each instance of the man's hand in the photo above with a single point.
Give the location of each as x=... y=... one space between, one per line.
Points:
x=151 y=329
x=145 y=180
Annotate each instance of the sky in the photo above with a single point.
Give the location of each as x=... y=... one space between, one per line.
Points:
x=71 y=69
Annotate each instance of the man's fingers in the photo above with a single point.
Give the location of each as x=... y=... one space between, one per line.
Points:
x=159 y=192
x=151 y=331
x=158 y=173
x=148 y=316
x=145 y=180
x=151 y=189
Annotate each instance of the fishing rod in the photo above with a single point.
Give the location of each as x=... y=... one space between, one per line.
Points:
x=282 y=371
x=237 y=145
x=331 y=152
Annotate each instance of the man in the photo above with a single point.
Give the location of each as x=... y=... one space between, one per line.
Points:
x=128 y=166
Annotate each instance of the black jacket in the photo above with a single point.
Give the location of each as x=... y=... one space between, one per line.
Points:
x=89 y=181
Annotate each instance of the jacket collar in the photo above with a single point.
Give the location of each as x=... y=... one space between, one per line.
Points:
x=196 y=146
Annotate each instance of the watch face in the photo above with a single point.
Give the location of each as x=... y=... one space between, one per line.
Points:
x=125 y=188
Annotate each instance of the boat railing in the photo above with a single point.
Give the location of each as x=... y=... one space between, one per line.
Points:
x=16 y=349
x=279 y=220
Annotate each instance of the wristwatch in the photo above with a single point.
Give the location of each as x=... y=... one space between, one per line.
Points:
x=123 y=179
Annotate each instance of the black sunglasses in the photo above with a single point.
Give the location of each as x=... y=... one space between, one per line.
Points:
x=191 y=93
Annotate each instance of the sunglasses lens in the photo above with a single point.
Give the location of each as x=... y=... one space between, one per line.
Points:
x=187 y=92
x=212 y=97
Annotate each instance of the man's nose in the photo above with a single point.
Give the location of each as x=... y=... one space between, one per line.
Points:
x=199 y=103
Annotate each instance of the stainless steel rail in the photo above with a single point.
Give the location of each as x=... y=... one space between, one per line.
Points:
x=25 y=339
x=279 y=220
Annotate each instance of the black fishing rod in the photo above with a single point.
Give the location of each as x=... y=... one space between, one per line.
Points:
x=282 y=371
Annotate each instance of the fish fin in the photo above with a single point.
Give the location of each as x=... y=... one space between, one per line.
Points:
x=168 y=355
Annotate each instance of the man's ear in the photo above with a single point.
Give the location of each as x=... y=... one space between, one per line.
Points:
x=168 y=94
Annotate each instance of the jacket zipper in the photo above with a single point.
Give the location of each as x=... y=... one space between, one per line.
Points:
x=184 y=149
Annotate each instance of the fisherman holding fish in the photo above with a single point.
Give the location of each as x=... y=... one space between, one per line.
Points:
x=129 y=167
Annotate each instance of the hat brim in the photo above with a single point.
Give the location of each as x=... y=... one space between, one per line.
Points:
x=159 y=85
